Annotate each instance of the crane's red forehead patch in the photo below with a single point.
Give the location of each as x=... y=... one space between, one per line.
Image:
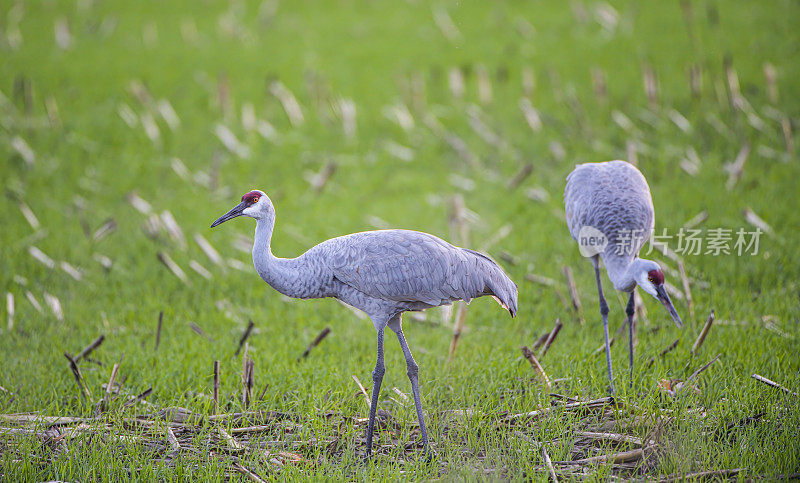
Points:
x=251 y=196
x=656 y=276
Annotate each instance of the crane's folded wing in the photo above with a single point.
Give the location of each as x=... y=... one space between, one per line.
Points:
x=407 y=266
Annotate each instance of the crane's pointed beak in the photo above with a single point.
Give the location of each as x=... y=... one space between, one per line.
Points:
x=664 y=298
x=235 y=211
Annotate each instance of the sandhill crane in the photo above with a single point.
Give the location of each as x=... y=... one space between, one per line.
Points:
x=383 y=273
x=610 y=214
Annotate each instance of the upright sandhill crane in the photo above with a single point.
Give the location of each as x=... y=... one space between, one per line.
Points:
x=610 y=214
x=383 y=273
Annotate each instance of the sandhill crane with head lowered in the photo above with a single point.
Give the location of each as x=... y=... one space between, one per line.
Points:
x=383 y=273
x=610 y=214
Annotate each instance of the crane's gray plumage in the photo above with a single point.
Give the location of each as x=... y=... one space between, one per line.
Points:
x=383 y=273
x=409 y=270
x=614 y=198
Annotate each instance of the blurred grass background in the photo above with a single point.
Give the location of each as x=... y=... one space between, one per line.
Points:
x=181 y=103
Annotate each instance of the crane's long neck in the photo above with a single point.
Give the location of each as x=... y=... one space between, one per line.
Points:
x=620 y=271
x=280 y=273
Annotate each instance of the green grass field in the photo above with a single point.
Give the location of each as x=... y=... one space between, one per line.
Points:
x=413 y=103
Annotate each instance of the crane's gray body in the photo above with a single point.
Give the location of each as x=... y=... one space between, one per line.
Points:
x=384 y=272
x=614 y=198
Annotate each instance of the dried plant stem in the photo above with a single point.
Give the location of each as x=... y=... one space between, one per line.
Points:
x=111 y=380
x=361 y=387
x=620 y=438
x=541 y=340
x=703 y=333
x=158 y=330
x=172 y=440
x=216 y=387
x=244 y=337
x=663 y=352
x=702 y=475
x=249 y=474
x=613 y=339
x=621 y=457
x=686 y=290
x=773 y=384
x=551 y=337
x=591 y=404
x=232 y=443
x=89 y=348
x=78 y=377
x=137 y=399
x=573 y=293
x=696 y=373
x=521 y=175
x=535 y=364
x=315 y=342
x=461 y=316
x=541 y=447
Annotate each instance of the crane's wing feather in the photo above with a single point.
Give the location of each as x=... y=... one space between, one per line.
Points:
x=612 y=197
x=409 y=266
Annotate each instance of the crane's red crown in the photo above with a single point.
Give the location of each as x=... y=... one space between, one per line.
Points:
x=251 y=197
x=656 y=277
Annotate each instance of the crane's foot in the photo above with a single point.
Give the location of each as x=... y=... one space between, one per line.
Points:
x=428 y=455
x=366 y=459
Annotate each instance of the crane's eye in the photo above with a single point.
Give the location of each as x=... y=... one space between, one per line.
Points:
x=651 y=279
x=254 y=201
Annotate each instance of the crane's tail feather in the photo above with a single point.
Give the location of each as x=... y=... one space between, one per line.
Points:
x=498 y=284
x=505 y=293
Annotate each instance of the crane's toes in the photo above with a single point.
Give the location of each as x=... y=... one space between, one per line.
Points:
x=429 y=455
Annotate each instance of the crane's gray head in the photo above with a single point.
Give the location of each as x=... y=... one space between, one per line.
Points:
x=649 y=276
x=255 y=204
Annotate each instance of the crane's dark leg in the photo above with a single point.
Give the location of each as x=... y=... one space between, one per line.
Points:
x=413 y=376
x=630 y=310
x=604 y=313
x=377 y=379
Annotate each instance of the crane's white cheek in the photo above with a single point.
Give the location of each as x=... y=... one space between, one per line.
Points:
x=250 y=210
x=649 y=288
